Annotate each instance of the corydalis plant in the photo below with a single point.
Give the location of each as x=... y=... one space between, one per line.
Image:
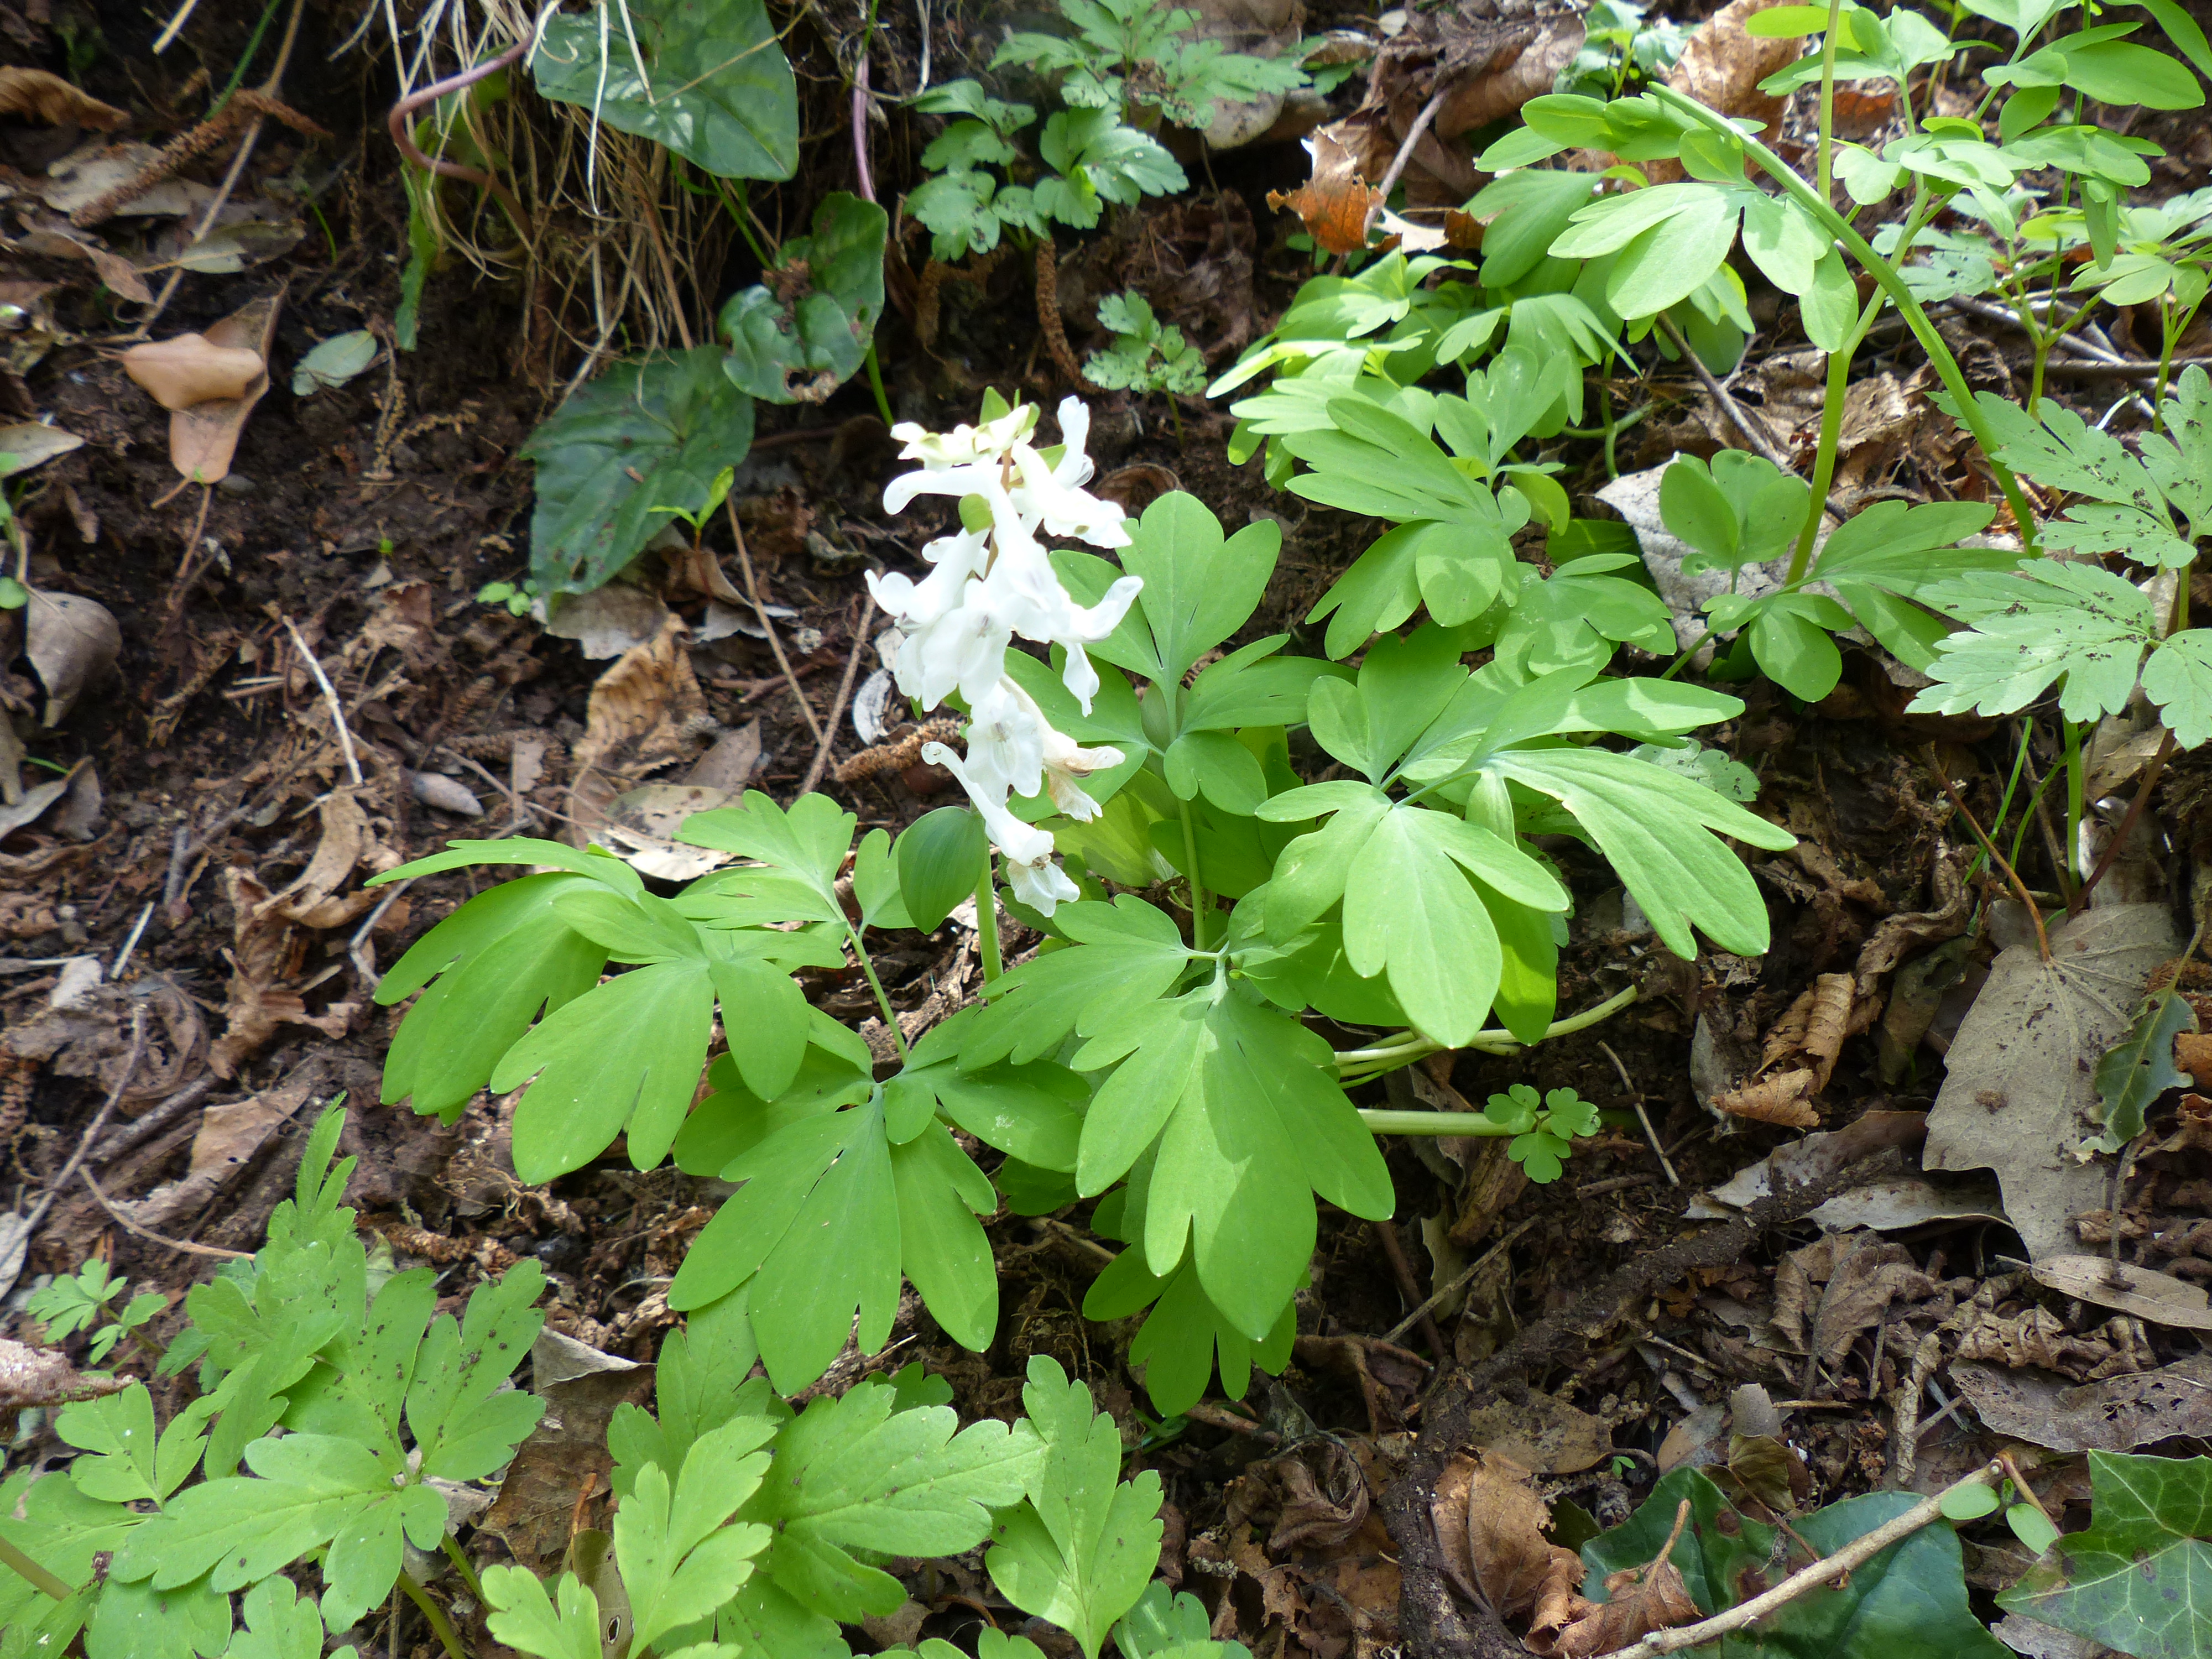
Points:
x=993 y=580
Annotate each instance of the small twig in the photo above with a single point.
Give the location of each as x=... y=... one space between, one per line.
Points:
x=1636 y=1098
x=1216 y=1416
x=148 y=1233
x=1760 y=443
x=1405 y=154
x=140 y=1130
x=1853 y=1554
x=2042 y=938
x=92 y=1132
x=123 y=957
x=760 y=610
x=844 y=694
x=1410 y=1288
x=364 y=962
x=330 y=699
x=1460 y=1282
x=1681 y=1520
x=2106 y=858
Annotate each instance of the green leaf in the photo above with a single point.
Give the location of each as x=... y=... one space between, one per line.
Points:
x=1216 y=765
x=2179 y=679
x=465 y=1424
x=1185 y=1337
x=1668 y=239
x=60 y=1529
x=1403 y=685
x=1409 y=911
x=1128 y=953
x=627 y=1056
x=850 y=1473
x=130 y=1619
x=942 y=1248
x=1199 y=586
x=679 y=1562
x=2137 y=1069
x=279 y=1625
x=1033 y=1112
x=808 y=843
x=1081 y=1550
x=715 y=88
x=500 y=960
x=1651 y=824
x=1164 y=1623
x=1696 y=512
x=1907 y=1602
x=797 y=340
x=2140 y=1577
x=526 y=1619
x=649 y=435
x=2053 y=620
x=120 y=1427
x=940 y=858
x=1524 y=213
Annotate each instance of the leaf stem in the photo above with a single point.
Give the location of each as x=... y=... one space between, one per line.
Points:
x=1432 y=1123
x=875 y=384
x=460 y=1560
x=1826 y=160
x=883 y=1001
x=448 y=1638
x=2035 y=915
x=50 y=1582
x=1198 y=900
x=1407 y=1047
x=986 y=921
x=1916 y=318
x=2071 y=732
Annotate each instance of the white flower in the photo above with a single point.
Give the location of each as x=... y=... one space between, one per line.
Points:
x=1025 y=849
x=914 y=605
x=1012 y=748
x=966 y=444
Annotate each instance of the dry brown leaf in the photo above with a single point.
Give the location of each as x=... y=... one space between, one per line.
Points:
x=1723 y=63
x=72 y=643
x=37 y=95
x=268 y=951
x=2159 y=1298
x=43 y=1376
x=1490 y=1523
x=228 y=1137
x=2117 y=1413
x=646 y=712
x=203 y=438
x=1335 y=201
x=27 y=444
x=565 y=1455
x=1829 y=1291
x=1540 y=1431
x=1785 y=1098
x=1509 y=78
x=1643 y=1601
x=191 y=369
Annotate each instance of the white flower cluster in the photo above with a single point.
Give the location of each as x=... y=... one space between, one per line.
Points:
x=987 y=586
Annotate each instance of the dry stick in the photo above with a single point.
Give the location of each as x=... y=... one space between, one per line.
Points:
x=99 y=1123
x=129 y=1225
x=330 y=699
x=2106 y=858
x=1636 y=1097
x=1409 y=1287
x=2042 y=938
x=760 y=610
x=1464 y=1279
x=1215 y=1417
x=1853 y=1554
x=140 y=1130
x=844 y=694
x=1405 y=154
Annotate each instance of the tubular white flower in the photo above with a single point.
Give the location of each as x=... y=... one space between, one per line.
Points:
x=1014 y=748
x=1025 y=849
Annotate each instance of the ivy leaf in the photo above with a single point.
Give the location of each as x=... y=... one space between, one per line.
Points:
x=2139 y=1068
x=717 y=88
x=2053 y=620
x=2140 y=1577
x=678 y=1561
x=851 y=1473
x=649 y=435
x=1082 y=1549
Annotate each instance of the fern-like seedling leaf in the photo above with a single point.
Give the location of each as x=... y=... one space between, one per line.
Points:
x=1081 y=1550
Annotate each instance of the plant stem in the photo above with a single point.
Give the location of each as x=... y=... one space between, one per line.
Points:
x=987 y=923
x=1431 y=1123
x=2072 y=733
x=1407 y=1047
x=1916 y=318
x=52 y=1585
x=875 y=384
x=883 y=1001
x=448 y=1638
x=460 y=1561
x=1825 y=161
x=1198 y=899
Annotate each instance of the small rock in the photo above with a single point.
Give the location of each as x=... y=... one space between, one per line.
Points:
x=435 y=789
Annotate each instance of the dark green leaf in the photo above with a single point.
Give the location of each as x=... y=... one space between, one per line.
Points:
x=2137 y=1069
x=800 y=339
x=2140 y=1577
x=940 y=858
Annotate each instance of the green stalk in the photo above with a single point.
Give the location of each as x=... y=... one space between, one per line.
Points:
x=1826 y=157
x=883 y=1001
x=1431 y=1123
x=447 y=1638
x=2073 y=735
x=987 y=923
x=39 y=1577
x=1198 y=900
x=2004 y=806
x=875 y=384
x=1407 y=1047
x=1915 y=318
x=461 y=1566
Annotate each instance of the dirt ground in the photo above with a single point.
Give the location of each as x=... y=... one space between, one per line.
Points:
x=209 y=850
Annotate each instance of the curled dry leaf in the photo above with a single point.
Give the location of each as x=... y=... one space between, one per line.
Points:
x=203 y=438
x=27 y=444
x=1785 y=1098
x=192 y=369
x=1642 y=1600
x=1335 y=201
x=72 y=643
x=1829 y=1292
x=36 y=94
x=43 y=1376
x=2116 y=1413
x=1490 y=1524
x=646 y=712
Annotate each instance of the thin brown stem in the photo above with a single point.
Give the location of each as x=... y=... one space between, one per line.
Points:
x=2106 y=858
x=844 y=694
x=401 y=125
x=1421 y=123
x=2042 y=938
x=1408 y=1286
x=760 y=611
